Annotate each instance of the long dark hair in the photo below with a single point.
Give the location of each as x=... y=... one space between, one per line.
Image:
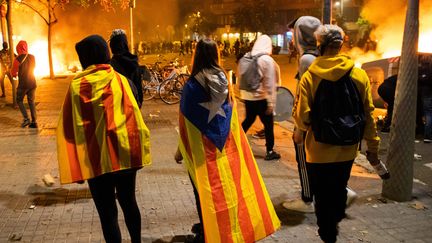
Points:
x=206 y=56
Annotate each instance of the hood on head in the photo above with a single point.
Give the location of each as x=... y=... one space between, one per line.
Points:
x=331 y=68
x=21 y=47
x=262 y=45
x=118 y=42
x=304 y=38
x=92 y=50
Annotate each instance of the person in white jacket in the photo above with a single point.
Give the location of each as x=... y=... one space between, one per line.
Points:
x=261 y=102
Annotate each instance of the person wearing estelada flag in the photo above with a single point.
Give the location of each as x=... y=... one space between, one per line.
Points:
x=232 y=201
x=102 y=138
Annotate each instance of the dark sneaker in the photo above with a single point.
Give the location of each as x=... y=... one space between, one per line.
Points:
x=259 y=135
x=25 y=123
x=427 y=140
x=271 y=155
x=33 y=125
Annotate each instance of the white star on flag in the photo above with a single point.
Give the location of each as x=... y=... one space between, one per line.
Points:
x=214 y=108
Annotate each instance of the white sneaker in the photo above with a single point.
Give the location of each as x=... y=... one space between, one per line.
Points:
x=299 y=206
x=351 y=197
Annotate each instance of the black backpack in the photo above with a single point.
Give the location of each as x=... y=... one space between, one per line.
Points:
x=337 y=114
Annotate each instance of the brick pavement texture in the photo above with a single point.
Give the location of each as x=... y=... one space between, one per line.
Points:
x=32 y=212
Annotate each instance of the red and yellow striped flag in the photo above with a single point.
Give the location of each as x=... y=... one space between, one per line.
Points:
x=100 y=129
x=235 y=204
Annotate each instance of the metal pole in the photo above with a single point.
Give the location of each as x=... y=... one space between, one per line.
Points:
x=341 y=7
x=327 y=11
x=132 y=46
x=402 y=133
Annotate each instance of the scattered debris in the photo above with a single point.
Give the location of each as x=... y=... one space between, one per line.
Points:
x=383 y=200
x=417 y=156
x=153 y=115
x=185 y=182
x=418 y=205
x=153 y=208
x=32 y=206
x=48 y=180
x=369 y=199
x=15 y=237
x=419 y=182
x=374 y=205
x=429 y=165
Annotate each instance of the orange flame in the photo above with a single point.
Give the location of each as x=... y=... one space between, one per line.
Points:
x=39 y=48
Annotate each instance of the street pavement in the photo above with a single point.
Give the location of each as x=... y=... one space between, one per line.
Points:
x=30 y=211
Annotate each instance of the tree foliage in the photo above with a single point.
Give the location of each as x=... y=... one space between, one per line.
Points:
x=201 y=22
x=263 y=17
x=107 y=5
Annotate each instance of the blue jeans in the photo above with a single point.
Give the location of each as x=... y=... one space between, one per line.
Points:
x=427 y=110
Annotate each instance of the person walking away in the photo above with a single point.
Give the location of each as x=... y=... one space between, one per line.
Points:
x=23 y=68
x=260 y=100
x=304 y=43
x=218 y=158
x=125 y=62
x=425 y=87
x=330 y=158
x=102 y=138
x=182 y=49
x=5 y=62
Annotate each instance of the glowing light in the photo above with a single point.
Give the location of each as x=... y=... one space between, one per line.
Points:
x=224 y=35
x=425 y=41
x=39 y=49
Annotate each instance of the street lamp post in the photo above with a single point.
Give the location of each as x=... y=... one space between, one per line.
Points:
x=131 y=7
x=327 y=11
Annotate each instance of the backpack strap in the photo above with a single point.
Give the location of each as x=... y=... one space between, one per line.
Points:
x=23 y=60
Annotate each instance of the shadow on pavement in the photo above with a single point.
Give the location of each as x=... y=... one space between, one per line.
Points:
x=44 y=196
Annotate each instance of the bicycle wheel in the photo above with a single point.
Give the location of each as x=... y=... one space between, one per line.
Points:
x=170 y=91
x=150 y=87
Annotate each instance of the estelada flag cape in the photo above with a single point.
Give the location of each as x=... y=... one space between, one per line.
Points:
x=100 y=129
x=235 y=204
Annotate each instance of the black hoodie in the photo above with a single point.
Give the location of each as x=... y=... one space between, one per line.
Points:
x=92 y=50
x=126 y=63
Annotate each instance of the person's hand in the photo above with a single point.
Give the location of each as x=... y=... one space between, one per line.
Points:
x=298 y=136
x=269 y=110
x=372 y=157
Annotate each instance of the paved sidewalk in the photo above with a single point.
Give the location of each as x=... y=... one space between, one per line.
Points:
x=32 y=212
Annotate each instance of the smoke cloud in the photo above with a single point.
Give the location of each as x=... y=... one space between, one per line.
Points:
x=75 y=23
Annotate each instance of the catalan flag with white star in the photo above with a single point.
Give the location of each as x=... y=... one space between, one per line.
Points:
x=100 y=129
x=235 y=204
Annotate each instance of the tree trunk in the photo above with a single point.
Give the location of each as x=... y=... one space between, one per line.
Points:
x=50 y=24
x=11 y=47
x=401 y=148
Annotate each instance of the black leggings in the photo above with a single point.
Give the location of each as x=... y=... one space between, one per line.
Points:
x=328 y=182
x=103 y=189
x=258 y=108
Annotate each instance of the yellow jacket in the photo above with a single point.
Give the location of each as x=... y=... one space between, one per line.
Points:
x=332 y=68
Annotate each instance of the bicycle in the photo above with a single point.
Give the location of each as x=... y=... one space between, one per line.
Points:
x=171 y=89
x=150 y=84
